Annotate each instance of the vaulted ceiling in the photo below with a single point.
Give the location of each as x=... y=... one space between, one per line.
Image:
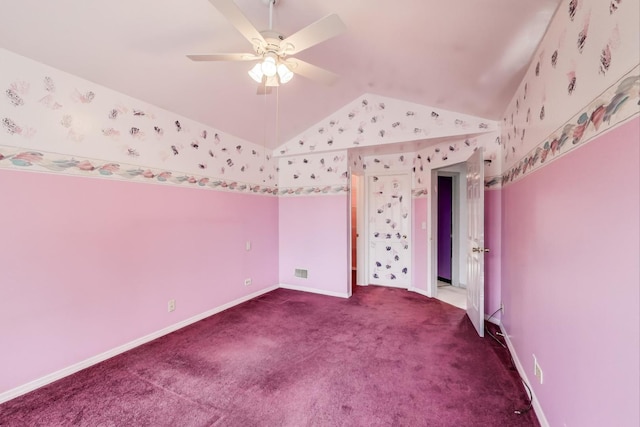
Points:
x=460 y=55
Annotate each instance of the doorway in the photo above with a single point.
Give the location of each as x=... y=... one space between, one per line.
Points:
x=356 y=236
x=449 y=222
x=354 y=231
x=445 y=228
x=468 y=231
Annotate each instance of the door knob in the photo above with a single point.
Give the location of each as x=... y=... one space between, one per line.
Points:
x=480 y=249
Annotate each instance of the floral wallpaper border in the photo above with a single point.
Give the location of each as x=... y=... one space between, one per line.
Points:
x=602 y=114
x=46 y=109
x=493 y=182
x=313 y=191
x=417 y=193
x=14 y=158
x=335 y=189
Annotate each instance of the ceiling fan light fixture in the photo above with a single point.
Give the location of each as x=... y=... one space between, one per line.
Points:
x=284 y=73
x=271 y=48
x=269 y=67
x=256 y=73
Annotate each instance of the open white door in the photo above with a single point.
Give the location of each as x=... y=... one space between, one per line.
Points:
x=475 y=241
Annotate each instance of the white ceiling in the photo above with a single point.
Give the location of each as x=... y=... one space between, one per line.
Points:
x=461 y=55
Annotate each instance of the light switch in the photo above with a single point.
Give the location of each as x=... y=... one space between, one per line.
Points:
x=424 y=225
x=248 y=245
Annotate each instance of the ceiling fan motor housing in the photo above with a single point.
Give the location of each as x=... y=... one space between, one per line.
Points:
x=273 y=47
x=273 y=40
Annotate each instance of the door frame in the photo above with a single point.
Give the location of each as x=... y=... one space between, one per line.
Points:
x=455 y=228
x=360 y=211
x=403 y=171
x=459 y=250
x=360 y=240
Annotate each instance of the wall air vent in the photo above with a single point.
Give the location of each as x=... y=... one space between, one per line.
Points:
x=301 y=273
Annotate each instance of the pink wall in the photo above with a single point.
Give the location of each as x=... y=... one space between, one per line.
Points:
x=571 y=245
x=89 y=264
x=420 y=243
x=492 y=260
x=314 y=235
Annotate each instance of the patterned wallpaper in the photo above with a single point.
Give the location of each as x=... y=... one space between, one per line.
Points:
x=327 y=173
x=389 y=230
x=74 y=165
x=389 y=162
x=401 y=162
x=375 y=120
x=617 y=104
x=370 y=121
x=311 y=173
x=314 y=173
x=583 y=80
x=62 y=123
x=356 y=162
x=456 y=151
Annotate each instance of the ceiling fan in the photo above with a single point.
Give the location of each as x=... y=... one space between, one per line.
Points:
x=273 y=50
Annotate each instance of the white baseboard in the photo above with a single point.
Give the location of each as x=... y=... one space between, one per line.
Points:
x=493 y=320
x=419 y=291
x=47 y=379
x=536 y=403
x=314 y=290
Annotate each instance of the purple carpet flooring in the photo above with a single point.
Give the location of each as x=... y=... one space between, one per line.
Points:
x=385 y=357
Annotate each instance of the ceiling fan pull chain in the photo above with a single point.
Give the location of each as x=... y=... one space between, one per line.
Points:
x=266 y=116
x=277 y=115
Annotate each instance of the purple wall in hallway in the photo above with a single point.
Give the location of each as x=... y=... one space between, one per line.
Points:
x=445 y=189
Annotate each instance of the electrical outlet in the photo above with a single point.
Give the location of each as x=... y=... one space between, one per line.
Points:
x=171 y=305
x=537 y=370
x=502 y=308
x=247 y=282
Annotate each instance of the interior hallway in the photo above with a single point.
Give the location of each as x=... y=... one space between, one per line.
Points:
x=452 y=295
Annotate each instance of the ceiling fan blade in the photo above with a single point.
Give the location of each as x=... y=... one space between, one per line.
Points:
x=224 y=57
x=229 y=9
x=321 y=30
x=311 y=71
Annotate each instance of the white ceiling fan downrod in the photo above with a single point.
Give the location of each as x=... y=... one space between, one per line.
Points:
x=271 y=3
